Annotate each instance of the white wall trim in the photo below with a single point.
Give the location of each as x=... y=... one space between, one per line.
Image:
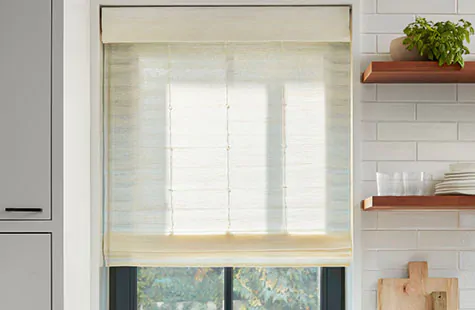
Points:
x=98 y=285
x=76 y=152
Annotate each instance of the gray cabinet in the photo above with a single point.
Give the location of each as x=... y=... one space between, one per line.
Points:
x=25 y=271
x=25 y=108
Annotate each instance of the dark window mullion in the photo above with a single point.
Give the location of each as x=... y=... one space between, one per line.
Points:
x=123 y=288
x=228 y=288
x=332 y=288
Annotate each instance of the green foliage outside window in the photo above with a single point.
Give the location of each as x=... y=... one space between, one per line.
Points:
x=277 y=288
x=441 y=41
x=254 y=288
x=175 y=288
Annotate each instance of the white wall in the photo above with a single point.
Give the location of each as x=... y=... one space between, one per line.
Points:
x=418 y=128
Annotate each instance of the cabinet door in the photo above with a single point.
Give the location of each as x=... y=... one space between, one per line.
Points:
x=25 y=272
x=25 y=107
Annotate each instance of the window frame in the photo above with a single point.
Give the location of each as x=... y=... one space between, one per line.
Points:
x=123 y=288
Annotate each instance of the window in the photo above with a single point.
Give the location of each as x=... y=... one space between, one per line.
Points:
x=227 y=145
x=255 y=288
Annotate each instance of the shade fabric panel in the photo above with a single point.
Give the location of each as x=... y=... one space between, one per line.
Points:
x=227 y=154
x=227 y=250
x=218 y=24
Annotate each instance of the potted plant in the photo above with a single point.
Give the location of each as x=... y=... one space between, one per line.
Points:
x=443 y=42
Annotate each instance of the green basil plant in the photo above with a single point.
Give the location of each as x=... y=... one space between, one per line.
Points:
x=441 y=41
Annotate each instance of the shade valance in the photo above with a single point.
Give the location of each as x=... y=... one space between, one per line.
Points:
x=217 y=24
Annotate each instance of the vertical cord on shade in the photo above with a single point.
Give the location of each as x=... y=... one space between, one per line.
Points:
x=169 y=98
x=138 y=77
x=284 y=152
x=228 y=147
x=106 y=212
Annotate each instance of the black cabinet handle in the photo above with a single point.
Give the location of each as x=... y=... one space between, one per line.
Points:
x=23 y=209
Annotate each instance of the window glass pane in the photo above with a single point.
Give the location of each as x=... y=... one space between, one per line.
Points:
x=276 y=288
x=180 y=288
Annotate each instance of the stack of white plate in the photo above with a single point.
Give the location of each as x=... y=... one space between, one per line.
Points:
x=459 y=181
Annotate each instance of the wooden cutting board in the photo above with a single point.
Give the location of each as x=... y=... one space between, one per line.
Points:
x=415 y=293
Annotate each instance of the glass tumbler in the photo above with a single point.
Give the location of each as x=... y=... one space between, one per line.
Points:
x=389 y=184
x=417 y=183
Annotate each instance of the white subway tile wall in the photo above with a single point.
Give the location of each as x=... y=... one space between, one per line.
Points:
x=389 y=240
x=446 y=112
x=467 y=131
x=467 y=260
x=466 y=6
x=383 y=150
x=384 y=41
x=466 y=92
x=461 y=151
x=399 y=259
x=467 y=279
x=417 y=6
x=421 y=220
x=417 y=131
x=417 y=92
x=369 y=299
x=376 y=111
x=467 y=220
x=368 y=43
x=368 y=170
x=385 y=23
x=467 y=299
x=368 y=6
x=410 y=127
x=368 y=131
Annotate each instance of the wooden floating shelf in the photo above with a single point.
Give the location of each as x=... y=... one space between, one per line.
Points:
x=382 y=203
x=418 y=72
